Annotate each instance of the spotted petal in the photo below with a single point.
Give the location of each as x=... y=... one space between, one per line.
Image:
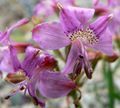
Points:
x=50 y=36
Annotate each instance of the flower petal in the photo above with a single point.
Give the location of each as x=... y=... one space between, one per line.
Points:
x=74 y=17
x=5 y=60
x=100 y=25
x=5 y=36
x=105 y=43
x=50 y=36
x=83 y=14
x=64 y=2
x=43 y=9
x=74 y=53
x=32 y=91
x=54 y=85
x=14 y=59
x=18 y=24
x=68 y=19
x=36 y=60
x=8 y=60
x=31 y=61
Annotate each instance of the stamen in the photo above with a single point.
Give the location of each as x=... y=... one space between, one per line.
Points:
x=59 y=5
x=110 y=16
x=86 y=36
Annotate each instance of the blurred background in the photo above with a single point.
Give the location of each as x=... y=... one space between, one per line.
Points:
x=102 y=91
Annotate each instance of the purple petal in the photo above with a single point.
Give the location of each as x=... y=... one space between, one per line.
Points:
x=14 y=59
x=113 y=3
x=5 y=36
x=73 y=17
x=68 y=19
x=50 y=36
x=54 y=85
x=31 y=61
x=5 y=60
x=95 y=2
x=36 y=60
x=32 y=91
x=105 y=43
x=75 y=51
x=18 y=24
x=87 y=66
x=83 y=14
x=8 y=60
x=43 y=9
x=100 y=25
x=115 y=23
x=64 y=2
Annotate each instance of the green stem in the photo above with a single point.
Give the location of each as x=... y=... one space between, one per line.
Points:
x=108 y=75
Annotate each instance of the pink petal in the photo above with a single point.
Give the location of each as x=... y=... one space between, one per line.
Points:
x=43 y=9
x=68 y=19
x=31 y=61
x=18 y=24
x=74 y=17
x=5 y=36
x=5 y=60
x=50 y=36
x=15 y=62
x=74 y=53
x=83 y=14
x=54 y=85
x=32 y=91
x=105 y=43
x=8 y=60
x=100 y=25
x=64 y=2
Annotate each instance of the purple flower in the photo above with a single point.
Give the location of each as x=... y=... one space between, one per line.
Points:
x=38 y=67
x=5 y=36
x=74 y=28
x=46 y=8
x=43 y=9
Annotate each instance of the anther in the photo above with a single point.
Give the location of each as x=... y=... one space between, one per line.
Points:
x=7 y=97
x=59 y=5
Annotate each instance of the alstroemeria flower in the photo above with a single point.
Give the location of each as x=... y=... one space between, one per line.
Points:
x=47 y=8
x=38 y=68
x=112 y=6
x=5 y=36
x=43 y=9
x=74 y=28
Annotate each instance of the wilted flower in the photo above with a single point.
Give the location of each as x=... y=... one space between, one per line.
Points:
x=74 y=29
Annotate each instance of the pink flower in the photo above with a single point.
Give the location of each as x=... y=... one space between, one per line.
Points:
x=74 y=28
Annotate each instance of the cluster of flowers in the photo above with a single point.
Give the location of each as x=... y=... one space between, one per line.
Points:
x=74 y=29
